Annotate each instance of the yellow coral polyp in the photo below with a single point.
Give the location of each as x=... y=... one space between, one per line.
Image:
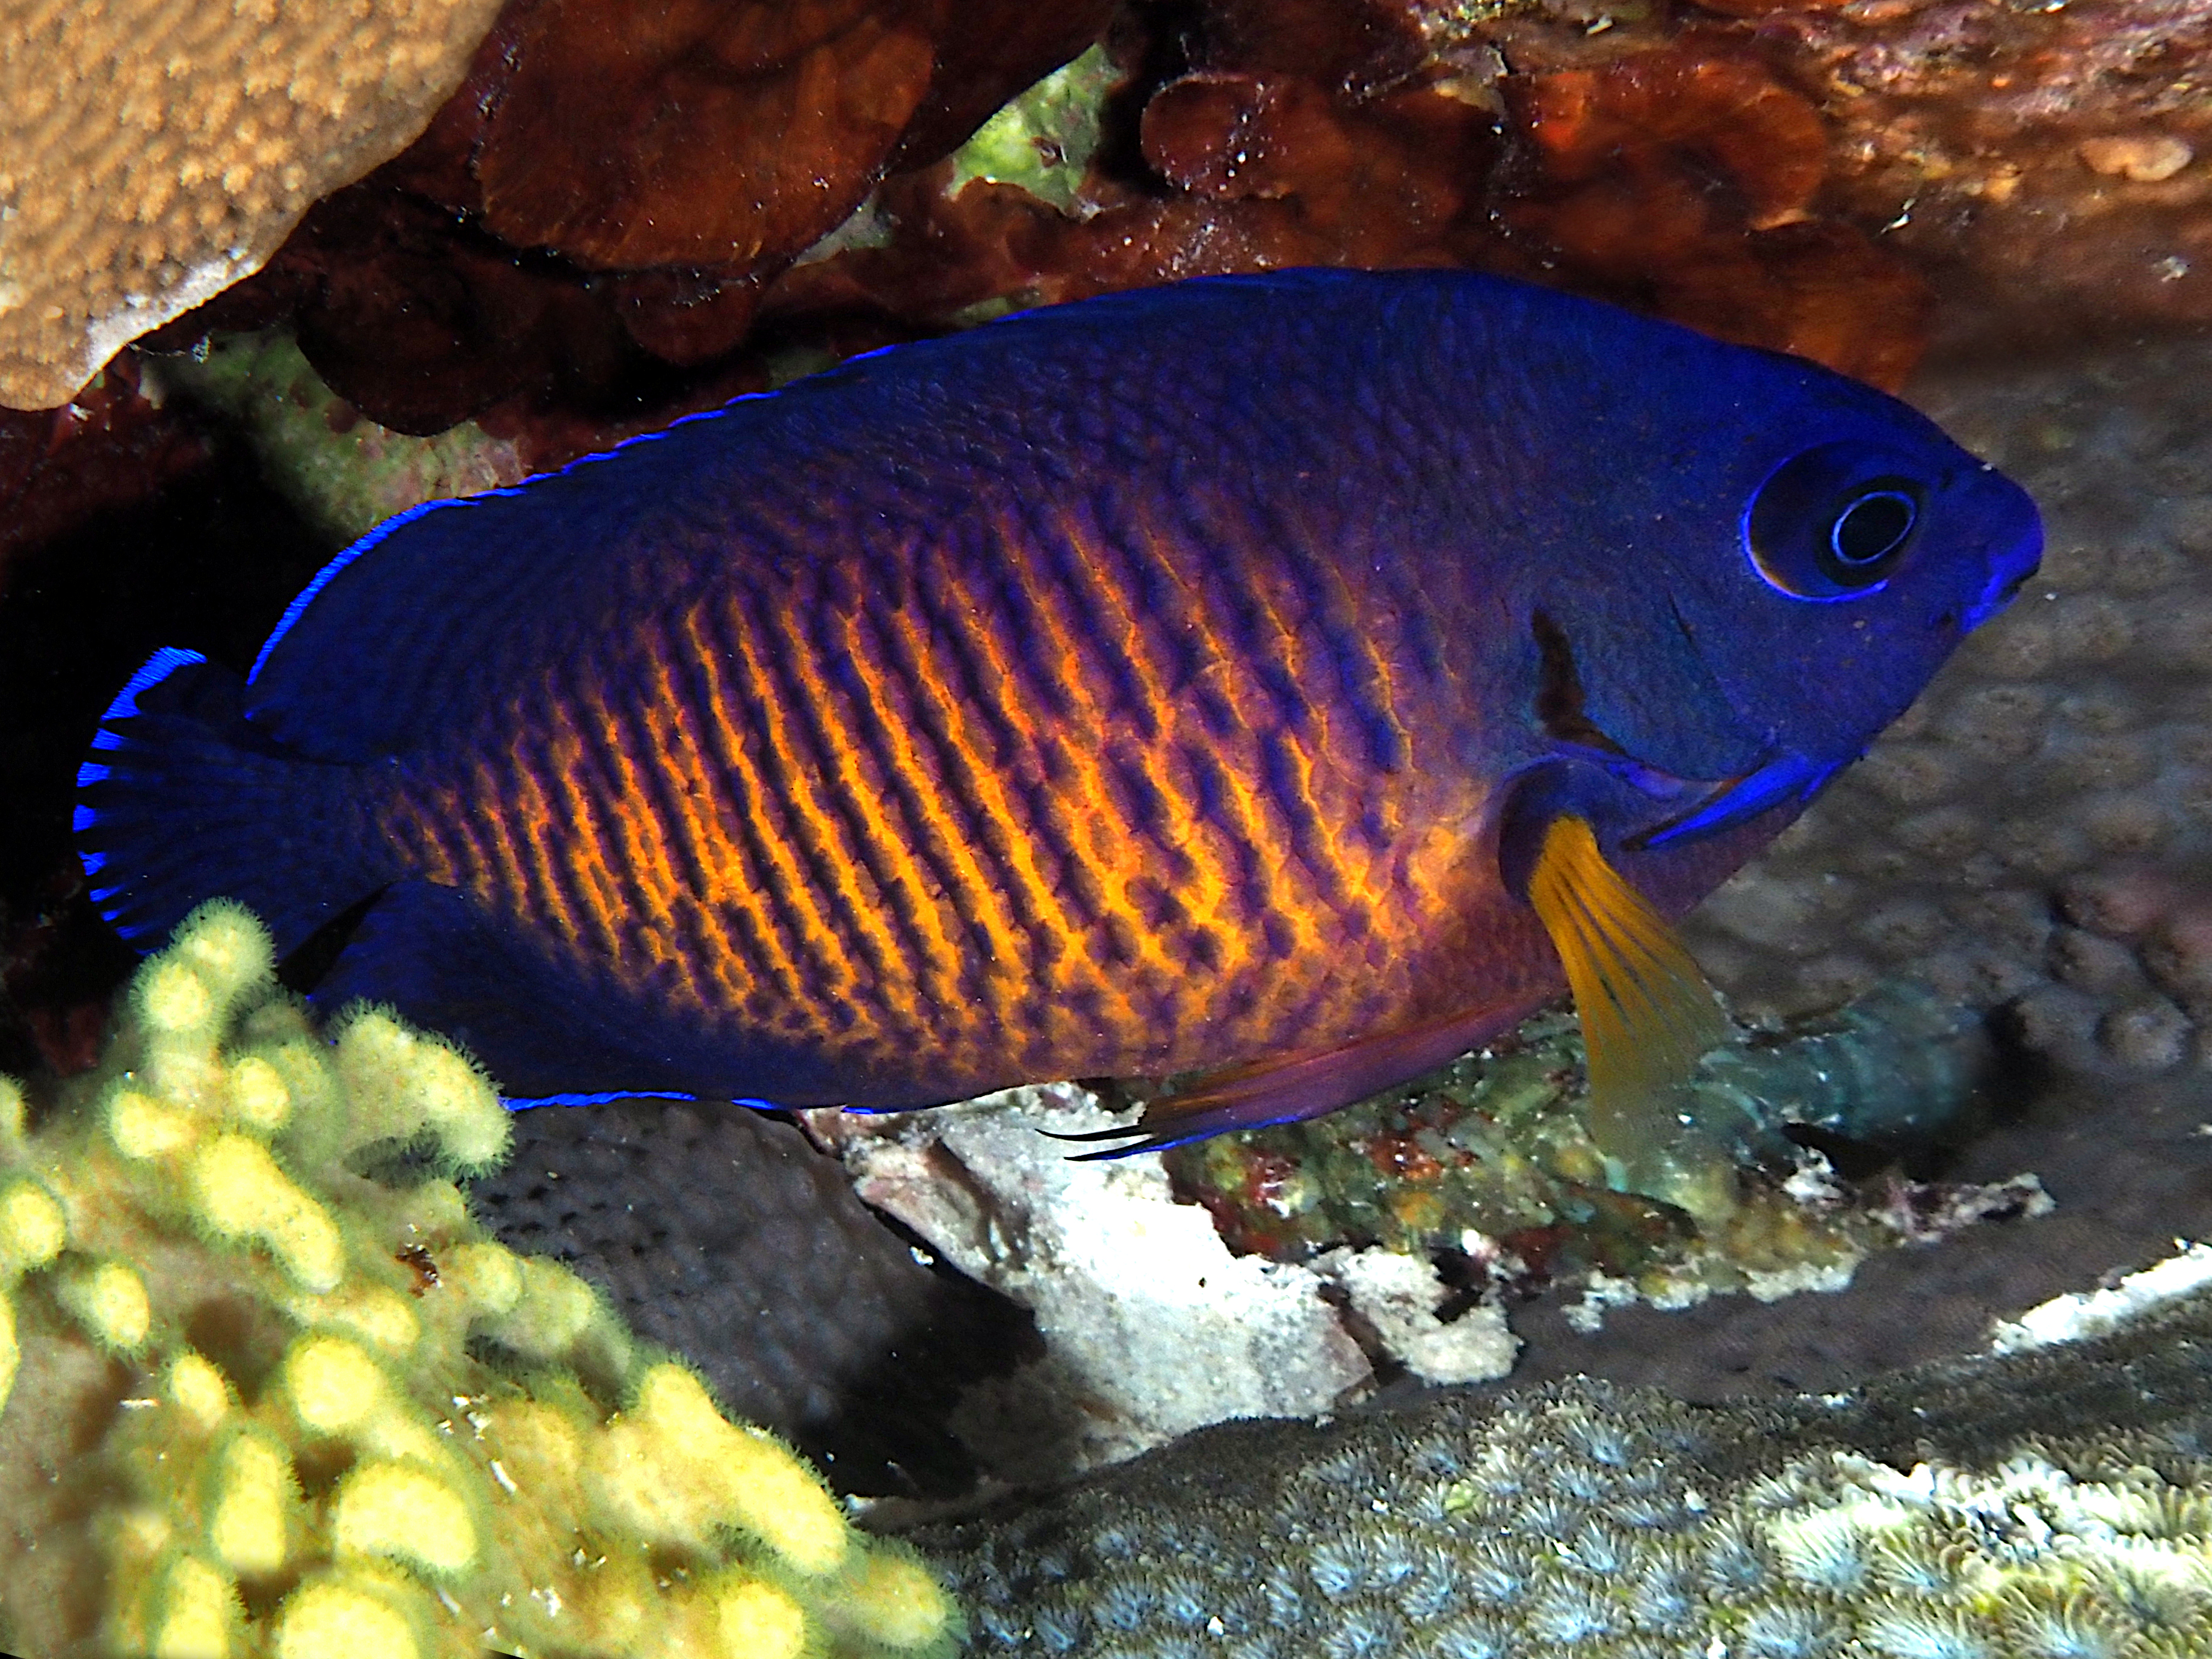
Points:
x=254 y=1495
x=110 y=1302
x=342 y=1619
x=377 y=1314
x=195 y=1612
x=12 y=1117
x=783 y=1503
x=299 y=1064
x=33 y=1228
x=356 y=1479
x=489 y=1276
x=145 y=1128
x=403 y=1083
x=259 y=1098
x=757 y=1620
x=399 y=1436
x=405 y=1513
x=198 y=1389
x=11 y=1353
x=226 y=946
x=895 y=1600
x=461 y=1107
x=241 y=1192
x=675 y=1472
x=552 y=1310
x=332 y=1384
x=173 y=1000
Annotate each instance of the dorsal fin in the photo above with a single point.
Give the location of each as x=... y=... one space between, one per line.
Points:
x=395 y=631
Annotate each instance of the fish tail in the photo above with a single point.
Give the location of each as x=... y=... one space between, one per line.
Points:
x=182 y=800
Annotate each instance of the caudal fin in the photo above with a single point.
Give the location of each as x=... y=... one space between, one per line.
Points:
x=182 y=800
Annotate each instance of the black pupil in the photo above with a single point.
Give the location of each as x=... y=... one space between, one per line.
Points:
x=1871 y=528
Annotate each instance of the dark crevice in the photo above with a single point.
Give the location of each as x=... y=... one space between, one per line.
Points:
x=1559 y=690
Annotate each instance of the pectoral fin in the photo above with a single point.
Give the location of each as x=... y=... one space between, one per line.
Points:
x=1647 y=1016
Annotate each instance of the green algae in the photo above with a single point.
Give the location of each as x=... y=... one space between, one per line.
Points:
x=1491 y=1157
x=1044 y=139
x=344 y=472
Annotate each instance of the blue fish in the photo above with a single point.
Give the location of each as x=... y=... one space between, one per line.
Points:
x=1291 y=680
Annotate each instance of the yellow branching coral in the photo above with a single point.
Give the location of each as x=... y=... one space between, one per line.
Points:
x=673 y=1471
x=355 y=1424
x=153 y=152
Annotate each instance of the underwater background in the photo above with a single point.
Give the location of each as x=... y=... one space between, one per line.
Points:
x=336 y=265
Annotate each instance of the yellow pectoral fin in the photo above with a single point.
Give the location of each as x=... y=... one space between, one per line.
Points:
x=1647 y=1016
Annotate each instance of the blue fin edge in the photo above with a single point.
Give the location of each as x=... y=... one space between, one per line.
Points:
x=399 y=521
x=156 y=668
x=325 y=576
x=526 y=1103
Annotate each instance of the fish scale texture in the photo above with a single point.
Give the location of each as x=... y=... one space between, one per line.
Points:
x=1052 y=701
x=725 y=1235
x=2051 y=1505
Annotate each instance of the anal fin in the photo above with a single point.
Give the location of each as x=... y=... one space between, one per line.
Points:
x=431 y=953
x=1253 y=1096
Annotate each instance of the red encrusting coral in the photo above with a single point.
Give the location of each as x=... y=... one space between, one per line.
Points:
x=2045 y=166
x=1686 y=178
x=107 y=448
x=608 y=225
x=599 y=230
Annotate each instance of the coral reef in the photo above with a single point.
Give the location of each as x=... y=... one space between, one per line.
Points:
x=724 y=140
x=261 y=386
x=1624 y=153
x=1839 y=178
x=721 y=1233
x=603 y=201
x=1493 y=1156
x=1339 y=1227
x=273 y=1391
x=1812 y=176
x=2035 y=162
x=2051 y=1504
x=152 y=154
x=1151 y=1326
x=681 y=260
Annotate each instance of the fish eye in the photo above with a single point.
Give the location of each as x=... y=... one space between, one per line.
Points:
x=1870 y=530
x=1833 y=522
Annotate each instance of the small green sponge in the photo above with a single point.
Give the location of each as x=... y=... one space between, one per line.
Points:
x=257 y=1402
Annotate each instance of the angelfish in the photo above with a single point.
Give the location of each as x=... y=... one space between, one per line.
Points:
x=1289 y=679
